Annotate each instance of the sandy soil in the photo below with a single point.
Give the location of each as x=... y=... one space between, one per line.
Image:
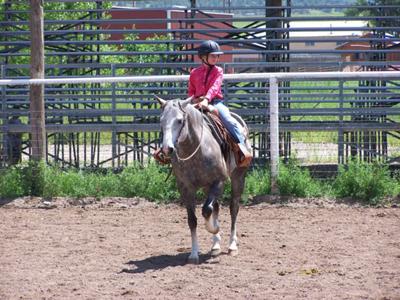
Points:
x=133 y=249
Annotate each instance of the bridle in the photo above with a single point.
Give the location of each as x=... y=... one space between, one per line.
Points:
x=201 y=135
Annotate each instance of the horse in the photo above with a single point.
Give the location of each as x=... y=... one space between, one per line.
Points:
x=198 y=163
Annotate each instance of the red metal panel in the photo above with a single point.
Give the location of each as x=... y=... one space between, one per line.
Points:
x=132 y=14
x=175 y=14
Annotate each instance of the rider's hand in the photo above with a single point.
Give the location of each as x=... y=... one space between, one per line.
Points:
x=196 y=100
x=203 y=103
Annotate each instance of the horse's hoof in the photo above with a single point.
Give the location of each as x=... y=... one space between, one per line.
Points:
x=215 y=252
x=233 y=252
x=193 y=260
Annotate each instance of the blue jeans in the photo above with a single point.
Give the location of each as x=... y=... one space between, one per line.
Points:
x=229 y=122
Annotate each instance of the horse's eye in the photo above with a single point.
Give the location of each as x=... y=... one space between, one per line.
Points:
x=180 y=121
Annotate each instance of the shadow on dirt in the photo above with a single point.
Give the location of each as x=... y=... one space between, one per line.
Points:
x=4 y=201
x=293 y=201
x=161 y=262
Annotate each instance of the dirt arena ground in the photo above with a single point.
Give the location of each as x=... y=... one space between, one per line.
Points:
x=133 y=249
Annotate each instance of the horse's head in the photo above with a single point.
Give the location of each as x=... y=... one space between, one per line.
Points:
x=173 y=118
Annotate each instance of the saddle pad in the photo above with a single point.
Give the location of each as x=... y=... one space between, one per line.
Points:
x=220 y=133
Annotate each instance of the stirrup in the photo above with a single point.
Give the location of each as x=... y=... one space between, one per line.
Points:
x=160 y=157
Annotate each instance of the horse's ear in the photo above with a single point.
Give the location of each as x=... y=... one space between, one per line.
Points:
x=161 y=101
x=187 y=101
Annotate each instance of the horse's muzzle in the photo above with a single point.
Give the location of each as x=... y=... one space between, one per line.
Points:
x=167 y=150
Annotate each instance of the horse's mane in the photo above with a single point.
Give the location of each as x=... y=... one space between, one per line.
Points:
x=193 y=113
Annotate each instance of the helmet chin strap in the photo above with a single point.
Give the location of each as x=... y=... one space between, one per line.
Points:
x=210 y=68
x=206 y=61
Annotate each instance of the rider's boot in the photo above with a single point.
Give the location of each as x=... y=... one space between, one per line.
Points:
x=245 y=156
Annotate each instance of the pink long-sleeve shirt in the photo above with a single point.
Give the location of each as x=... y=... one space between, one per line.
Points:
x=203 y=84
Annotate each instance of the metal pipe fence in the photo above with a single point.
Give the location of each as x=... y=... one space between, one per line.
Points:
x=349 y=114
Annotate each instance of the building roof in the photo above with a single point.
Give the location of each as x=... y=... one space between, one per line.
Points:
x=365 y=44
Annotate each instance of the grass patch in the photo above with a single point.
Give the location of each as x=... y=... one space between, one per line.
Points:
x=368 y=183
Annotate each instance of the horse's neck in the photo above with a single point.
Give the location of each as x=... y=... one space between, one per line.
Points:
x=192 y=131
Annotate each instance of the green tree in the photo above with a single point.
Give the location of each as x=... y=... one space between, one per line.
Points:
x=79 y=11
x=374 y=10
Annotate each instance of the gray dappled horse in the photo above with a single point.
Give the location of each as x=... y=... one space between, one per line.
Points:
x=198 y=163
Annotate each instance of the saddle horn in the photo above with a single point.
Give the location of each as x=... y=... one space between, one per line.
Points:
x=161 y=101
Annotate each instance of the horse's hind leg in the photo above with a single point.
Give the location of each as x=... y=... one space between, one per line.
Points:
x=216 y=245
x=210 y=212
x=233 y=240
x=238 y=180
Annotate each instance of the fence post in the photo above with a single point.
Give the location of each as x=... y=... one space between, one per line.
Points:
x=36 y=97
x=4 y=123
x=341 y=122
x=274 y=132
x=114 y=119
x=37 y=91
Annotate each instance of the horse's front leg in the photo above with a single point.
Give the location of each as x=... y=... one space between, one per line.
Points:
x=192 y=221
x=187 y=197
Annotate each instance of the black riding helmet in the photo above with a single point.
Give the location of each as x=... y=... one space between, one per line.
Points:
x=209 y=47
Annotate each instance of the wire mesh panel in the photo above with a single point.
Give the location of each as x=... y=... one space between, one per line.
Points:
x=344 y=119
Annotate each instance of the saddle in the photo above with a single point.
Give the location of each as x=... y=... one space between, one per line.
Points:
x=225 y=140
x=219 y=132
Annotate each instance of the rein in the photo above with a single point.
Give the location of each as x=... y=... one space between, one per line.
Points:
x=198 y=146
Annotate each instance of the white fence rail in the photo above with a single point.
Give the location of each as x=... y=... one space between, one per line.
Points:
x=174 y=78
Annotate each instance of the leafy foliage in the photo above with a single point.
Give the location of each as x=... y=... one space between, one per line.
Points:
x=366 y=182
x=293 y=180
x=79 y=184
x=258 y=182
x=372 y=10
x=80 y=11
x=11 y=183
x=148 y=182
